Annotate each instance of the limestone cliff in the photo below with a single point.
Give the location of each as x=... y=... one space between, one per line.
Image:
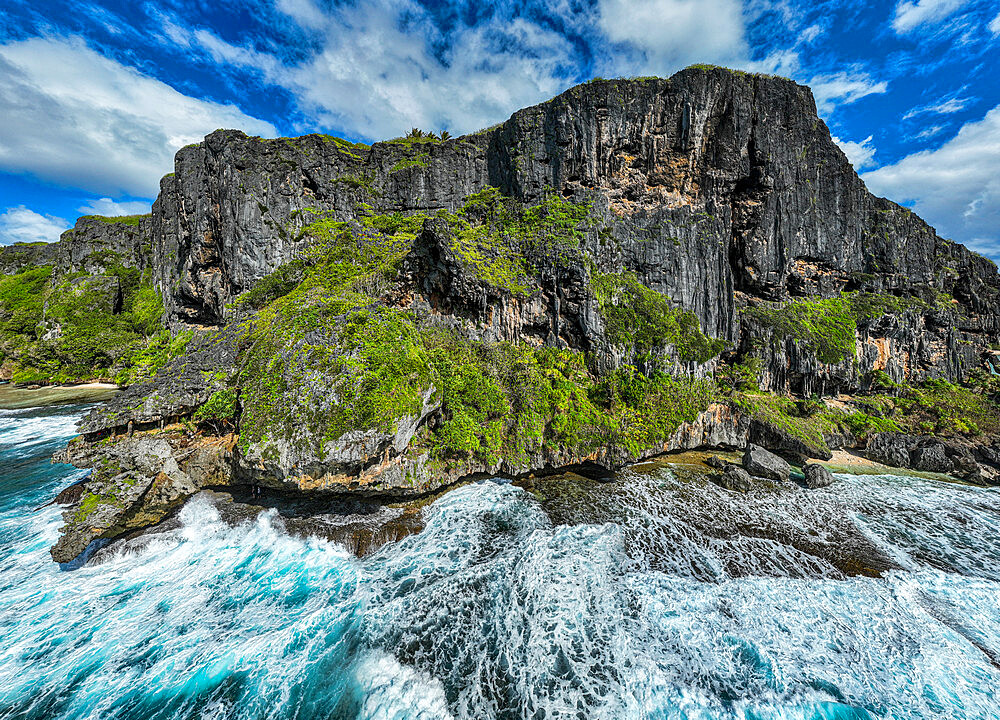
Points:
x=593 y=281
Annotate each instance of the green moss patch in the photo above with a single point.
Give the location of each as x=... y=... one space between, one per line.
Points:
x=829 y=326
x=642 y=319
x=325 y=354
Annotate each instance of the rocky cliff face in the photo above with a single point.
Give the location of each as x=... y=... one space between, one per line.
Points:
x=718 y=189
x=395 y=317
x=89 y=246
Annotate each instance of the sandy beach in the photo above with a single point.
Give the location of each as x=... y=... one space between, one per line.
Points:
x=17 y=398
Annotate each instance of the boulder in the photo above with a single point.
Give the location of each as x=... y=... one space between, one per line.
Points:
x=734 y=478
x=758 y=461
x=817 y=476
x=890 y=448
x=930 y=456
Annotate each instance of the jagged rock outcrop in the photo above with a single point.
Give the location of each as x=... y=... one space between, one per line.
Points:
x=89 y=246
x=759 y=462
x=736 y=479
x=972 y=462
x=136 y=482
x=817 y=476
x=378 y=320
x=716 y=188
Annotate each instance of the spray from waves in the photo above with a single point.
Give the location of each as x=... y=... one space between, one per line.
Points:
x=531 y=619
x=660 y=598
x=227 y=622
x=23 y=431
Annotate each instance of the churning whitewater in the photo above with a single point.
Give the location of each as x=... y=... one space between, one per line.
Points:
x=659 y=596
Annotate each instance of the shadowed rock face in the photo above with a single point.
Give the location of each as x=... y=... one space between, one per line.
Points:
x=721 y=191
x=716 y=188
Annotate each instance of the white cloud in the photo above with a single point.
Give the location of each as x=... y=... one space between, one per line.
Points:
x=842 y=89
x=19 y=224
x=930 y=132
x=955 y=187
x=809 y=34
x=995 y=25
x=377 y=76
x=75 y=117
x=110 y=208
x=910 y=15
x=945 y=107
x=861 y=154
x=665 y=35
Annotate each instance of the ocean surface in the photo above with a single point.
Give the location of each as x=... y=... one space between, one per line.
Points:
x=659 y=596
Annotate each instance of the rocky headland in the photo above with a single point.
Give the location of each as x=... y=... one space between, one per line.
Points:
x=632 y=268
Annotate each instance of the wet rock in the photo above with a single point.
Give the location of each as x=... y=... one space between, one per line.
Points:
x=137 y=481
x=717 y=462
x=930 y=456
x=758 y=461
x=890 y=448
x=734 y=478
x=952 y=457
x=817 y=476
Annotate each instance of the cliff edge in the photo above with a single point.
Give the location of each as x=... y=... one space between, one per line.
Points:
x=632 y=267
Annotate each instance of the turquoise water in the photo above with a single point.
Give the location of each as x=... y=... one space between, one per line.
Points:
x=495 y=611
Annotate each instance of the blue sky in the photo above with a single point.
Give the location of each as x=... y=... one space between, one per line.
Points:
x=97 y=96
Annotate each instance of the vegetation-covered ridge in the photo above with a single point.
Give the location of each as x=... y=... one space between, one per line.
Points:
x=331 y=351
x=829 y=326
x=74 y=326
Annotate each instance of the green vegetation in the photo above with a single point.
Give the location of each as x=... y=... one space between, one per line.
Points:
x=219 y=411
x=75 y=326
x=642 y=319
x=804 y=420
x=421 y=160
x=645 y=409
x=741 y=73
x=133 y=220
x=503 y=244
x=828 y=326
x=145 y=357
x=415 y=137
x=359 y=181
x=934 y=407
x=324 y=355
x=931 y=408
x=346 y=146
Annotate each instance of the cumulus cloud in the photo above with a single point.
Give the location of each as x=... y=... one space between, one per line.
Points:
x=843 y=88
x=387 y=66
x=910 y=15
x=955 y=187
x=664 y=35
x=861 y=154
x=20 y=224
x=110 y=208
x=78 y=118
x=379 y=73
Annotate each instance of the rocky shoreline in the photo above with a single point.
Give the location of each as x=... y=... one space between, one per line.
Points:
x=144 y=477
x=633 y=268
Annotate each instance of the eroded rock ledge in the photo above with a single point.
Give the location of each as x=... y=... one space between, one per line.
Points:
x=631 y=268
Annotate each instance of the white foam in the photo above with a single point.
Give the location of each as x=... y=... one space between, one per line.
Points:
x=494 y=611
